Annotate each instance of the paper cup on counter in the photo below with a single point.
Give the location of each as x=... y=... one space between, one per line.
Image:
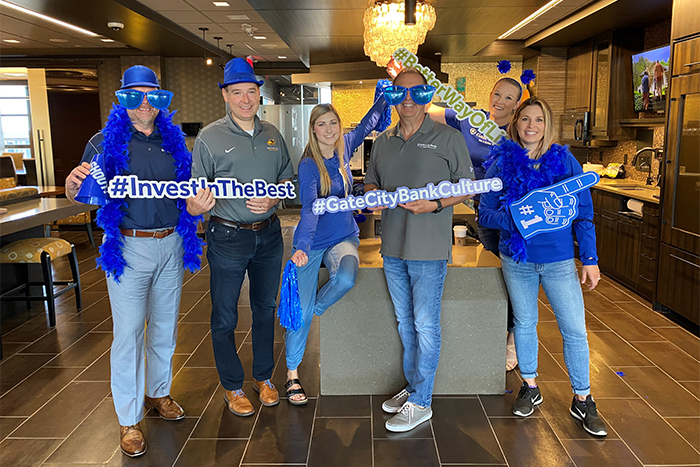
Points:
x=460 y=233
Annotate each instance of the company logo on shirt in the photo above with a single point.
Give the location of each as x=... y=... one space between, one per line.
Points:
x=271 y=145
x=482 y=139
x=426 y=146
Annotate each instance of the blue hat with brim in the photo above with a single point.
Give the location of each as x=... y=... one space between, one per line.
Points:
x=237 y=71
x=139 y=75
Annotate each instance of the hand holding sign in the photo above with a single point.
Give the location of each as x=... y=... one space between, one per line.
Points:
x=550 y=208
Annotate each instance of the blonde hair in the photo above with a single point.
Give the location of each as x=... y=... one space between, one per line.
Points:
x=547 y=138
x=313 y=150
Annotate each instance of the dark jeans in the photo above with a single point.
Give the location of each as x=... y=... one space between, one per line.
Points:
x=232 y=252
x=490 y=238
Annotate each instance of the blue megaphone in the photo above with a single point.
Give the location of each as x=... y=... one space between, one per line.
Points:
x=94 y=187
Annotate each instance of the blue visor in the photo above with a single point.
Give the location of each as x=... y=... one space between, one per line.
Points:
x=421 y=94
x=132 y=98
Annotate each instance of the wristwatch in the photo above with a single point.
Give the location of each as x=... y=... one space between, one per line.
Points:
x=439 y=208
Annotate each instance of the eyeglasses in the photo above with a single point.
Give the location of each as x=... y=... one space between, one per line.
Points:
x=132 y=98
x=421 y=94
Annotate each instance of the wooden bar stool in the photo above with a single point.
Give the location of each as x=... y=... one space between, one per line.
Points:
x=43 y=251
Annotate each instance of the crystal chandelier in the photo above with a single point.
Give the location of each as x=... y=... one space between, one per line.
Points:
x=385 y=30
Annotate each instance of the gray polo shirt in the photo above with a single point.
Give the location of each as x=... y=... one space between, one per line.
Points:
x=434 y=153
x=223 y=150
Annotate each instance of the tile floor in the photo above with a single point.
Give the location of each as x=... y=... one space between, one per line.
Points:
x=56 y=410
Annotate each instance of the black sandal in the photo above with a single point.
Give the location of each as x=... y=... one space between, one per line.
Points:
x=291 y=392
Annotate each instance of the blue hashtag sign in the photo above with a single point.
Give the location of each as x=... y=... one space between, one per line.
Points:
x=550 y=208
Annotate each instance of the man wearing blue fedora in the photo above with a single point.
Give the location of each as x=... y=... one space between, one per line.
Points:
x=146 y=244
x=244 y=236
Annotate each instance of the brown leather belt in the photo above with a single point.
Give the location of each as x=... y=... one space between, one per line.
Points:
x=148 y=234
x=237 y=225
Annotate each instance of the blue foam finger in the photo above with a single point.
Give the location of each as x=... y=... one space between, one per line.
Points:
x=550 y=208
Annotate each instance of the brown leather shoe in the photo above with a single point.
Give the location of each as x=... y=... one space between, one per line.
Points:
x=238 y=403
x=166 y=407
x=268 y=393
x=133 y=443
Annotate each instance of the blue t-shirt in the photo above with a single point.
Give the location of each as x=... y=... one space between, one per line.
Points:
x=478 y=144
x=148 y=161
x=645 y=84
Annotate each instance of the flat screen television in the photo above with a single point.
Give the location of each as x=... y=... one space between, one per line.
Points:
x=650 y=74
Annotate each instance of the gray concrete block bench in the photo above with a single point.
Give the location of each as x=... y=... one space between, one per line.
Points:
x=360 y=346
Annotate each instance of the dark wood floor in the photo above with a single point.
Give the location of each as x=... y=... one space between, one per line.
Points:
x=56 y=408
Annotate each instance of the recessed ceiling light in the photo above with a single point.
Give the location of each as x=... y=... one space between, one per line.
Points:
x=107 y=40
x=221 y=4
x=59 y=41
x=260 y=38
x=11 y=41
x=282 y=57
x=238 y=17
x=360 y=82
x=78 y=45
x=46 y=18
x=268 y=46
x=438 y=53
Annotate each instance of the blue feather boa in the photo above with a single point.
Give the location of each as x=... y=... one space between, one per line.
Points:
x=520 y=176
x=115 y=148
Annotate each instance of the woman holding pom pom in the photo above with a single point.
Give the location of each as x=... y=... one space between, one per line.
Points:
x=331 y=238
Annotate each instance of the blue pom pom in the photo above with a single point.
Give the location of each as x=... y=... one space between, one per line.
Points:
x=504 y=66
x=385 y=119
x=289 y=311
x=527 y=77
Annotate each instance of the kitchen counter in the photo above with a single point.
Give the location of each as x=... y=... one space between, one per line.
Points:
x=630 y=189
x=360 y=346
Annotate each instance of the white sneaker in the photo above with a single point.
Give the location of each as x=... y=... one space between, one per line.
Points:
x=394 y=404
x=409 y=417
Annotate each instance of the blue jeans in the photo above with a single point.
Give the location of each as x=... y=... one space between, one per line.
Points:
x=342 y=262
x=145 y=305
x=561 y=284
x=416 y=291
x=231 y=252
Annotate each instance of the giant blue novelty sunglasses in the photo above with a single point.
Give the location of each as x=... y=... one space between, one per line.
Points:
x=421 y=94
x=131 y=98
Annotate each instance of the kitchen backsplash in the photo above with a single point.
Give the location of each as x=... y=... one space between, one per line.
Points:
x=617 y=154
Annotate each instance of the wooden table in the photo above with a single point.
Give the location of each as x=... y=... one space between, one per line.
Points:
x=37 y=212
x=50 y=190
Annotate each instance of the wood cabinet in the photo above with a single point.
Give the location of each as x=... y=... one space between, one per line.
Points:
x=648 y=252
x=598 y=80
x=627 y=245
x=686 y=57
x=678 y=286
x=679 y=276
x=685 y=20
x=605 y=207
x=629 y=234
x=579 y=73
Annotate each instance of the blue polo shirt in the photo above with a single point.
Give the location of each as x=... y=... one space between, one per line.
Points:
x=148 y=161
x=478 y=144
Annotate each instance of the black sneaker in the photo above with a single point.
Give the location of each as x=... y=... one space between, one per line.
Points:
x=588 y=414
x=527 y=399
